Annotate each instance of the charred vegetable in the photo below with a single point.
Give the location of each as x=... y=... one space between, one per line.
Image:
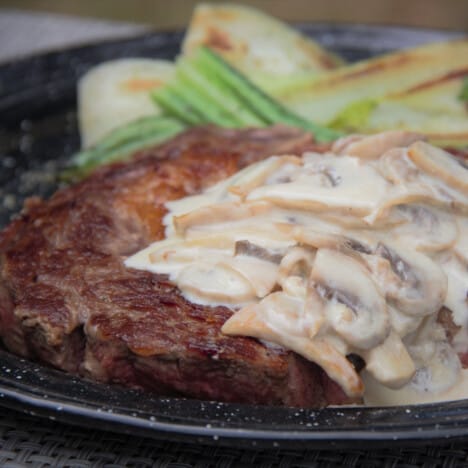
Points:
x=417 y=89
x=260 y=46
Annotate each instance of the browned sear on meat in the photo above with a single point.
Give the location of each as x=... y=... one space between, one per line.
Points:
x=67 y=300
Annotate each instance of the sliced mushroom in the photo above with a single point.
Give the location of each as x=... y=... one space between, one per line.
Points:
x=390 y=363
x=340 y=145
x=272 y=319
x=319 y=239
x=275 y=168
x=412 y=282
x=409 y=185
x=358 y=193
x=296 y=263
x=294 y=286
x=461 y=246
x=403 y=324
x=280 y=312
x=373 y=146
x=427 y=228
x=169 y=256
x=261 y=274
x=269 y=236
x=397 y=168
x=207 y=283
x=355 y=307
x=314 y=305
x=245 y=247
x=439 y=164
x=219 y=213
x=419 y=193
x=457 y=291
x=349 y=222
x=216 y=194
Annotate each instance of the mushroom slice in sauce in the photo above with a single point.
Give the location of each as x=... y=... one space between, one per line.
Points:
x=218 y=213
x=340 y=145
x=355 y=307
x=258 y=264
x=456 y=298
x=282 y=319
x=427 y=228
x=170 y=256
x=461 y=247
x=221 y=284
x=268 y=171
x=397 y=168
x=439 y=164
x=410 y=184
x=294 y=269
x=413 y=282
x=349 y=223
x=245 y=247
x=403 y=324
x=358 y=192
x=261 y=274
x=270 y=236
x=373 y=146
x=390 y=362
x=319 y=239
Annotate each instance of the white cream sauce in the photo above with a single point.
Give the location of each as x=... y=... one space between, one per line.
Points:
x=350 y=252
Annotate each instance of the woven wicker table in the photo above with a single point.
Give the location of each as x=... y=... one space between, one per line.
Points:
x=32 y=441
x=26 y=441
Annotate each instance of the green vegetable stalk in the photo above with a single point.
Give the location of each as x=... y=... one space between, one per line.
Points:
x=212 y=91
x=463 y=96
x=122 y=143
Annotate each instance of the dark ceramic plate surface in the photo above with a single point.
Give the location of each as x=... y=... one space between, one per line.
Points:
x=37 y=134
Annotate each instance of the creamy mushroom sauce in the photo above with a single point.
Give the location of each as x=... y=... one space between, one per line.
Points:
x=351 y=252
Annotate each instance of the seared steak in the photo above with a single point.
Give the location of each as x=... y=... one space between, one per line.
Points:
x=67 y=300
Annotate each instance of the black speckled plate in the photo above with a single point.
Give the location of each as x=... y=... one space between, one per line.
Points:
x=37 y=134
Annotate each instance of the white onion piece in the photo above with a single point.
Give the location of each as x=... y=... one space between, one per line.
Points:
x=117 y=92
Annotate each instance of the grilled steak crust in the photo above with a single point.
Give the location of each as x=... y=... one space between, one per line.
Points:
x=67 y=300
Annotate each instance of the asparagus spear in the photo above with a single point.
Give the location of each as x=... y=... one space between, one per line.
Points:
x=173 y=105
x=216 y=93
x=135 y=130
x=123 y=142
x=198 y=102
x=265 y=106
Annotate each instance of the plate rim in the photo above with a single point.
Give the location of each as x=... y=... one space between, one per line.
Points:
x=12 y=396
x=119 y=418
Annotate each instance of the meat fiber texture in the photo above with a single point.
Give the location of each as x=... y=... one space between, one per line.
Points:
x=67 y=300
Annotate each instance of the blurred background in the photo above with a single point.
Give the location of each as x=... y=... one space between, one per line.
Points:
x=447 y=14
x=34 y=26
